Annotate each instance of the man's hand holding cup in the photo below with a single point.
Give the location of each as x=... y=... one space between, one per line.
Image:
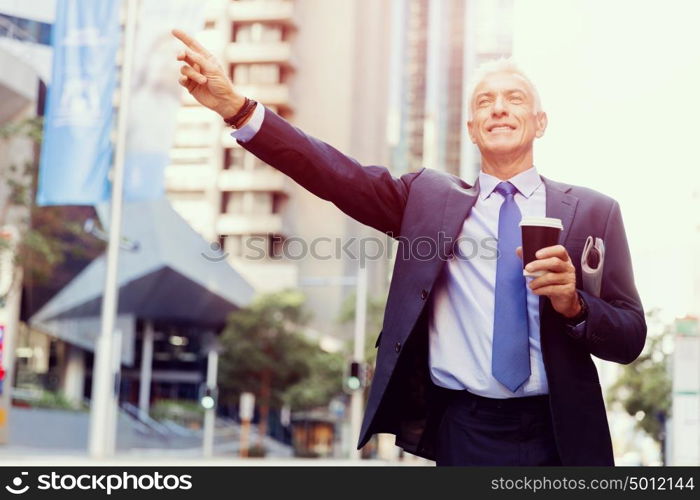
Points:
x=557 y=281
x=549 y=264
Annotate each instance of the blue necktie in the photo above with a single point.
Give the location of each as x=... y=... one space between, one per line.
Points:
x=510 y=358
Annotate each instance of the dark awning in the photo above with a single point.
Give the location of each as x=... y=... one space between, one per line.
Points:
x=172 y=275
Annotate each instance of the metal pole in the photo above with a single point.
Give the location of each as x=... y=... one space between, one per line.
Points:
x=357 y=398
x=113 y=413
x=210 y=413
x=146 y=369
x=103 y=374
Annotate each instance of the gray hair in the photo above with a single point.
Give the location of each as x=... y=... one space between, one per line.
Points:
x=502 y=65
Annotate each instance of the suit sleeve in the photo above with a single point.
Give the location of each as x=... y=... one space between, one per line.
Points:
x=368 y=194
x=615 y=329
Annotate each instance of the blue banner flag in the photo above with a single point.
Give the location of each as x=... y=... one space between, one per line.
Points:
x=76 y=151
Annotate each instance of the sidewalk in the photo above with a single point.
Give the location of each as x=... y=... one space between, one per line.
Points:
x=53 y=438
x=20 y=457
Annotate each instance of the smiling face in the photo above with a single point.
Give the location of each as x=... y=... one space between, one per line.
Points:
x=505 y=120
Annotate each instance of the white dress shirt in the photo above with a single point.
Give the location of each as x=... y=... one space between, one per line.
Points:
x=461 y=318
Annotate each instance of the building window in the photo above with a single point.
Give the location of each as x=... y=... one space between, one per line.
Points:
x=26 y=30
x=260 y=165
x=262 y=203
x=257 y=32
x=276 y=245
x=278 y=201
x=234 y=158
x=233 y=203
x=256 y=74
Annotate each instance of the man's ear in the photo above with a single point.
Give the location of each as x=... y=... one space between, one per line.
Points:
x=470 y=129
x=541 y=124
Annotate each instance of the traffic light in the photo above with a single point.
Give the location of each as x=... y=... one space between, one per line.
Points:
x=208 y=399
x=354 y=378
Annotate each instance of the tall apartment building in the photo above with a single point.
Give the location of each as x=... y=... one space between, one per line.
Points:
x=437 y=46
x=226 y=194
x=322 y=65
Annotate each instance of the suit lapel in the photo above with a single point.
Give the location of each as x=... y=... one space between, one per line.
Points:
x=561 y=205
x=460 y=201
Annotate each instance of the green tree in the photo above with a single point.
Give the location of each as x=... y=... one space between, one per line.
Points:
x=266 y=352
x=644 y=386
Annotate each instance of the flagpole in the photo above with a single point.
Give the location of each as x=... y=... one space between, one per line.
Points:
x=102 y=424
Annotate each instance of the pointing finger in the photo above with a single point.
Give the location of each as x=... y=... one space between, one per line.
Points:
x=189 y=41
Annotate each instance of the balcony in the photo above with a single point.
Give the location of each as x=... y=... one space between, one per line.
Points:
x=188 y=177
x=259 y=52
x=279 y=11
x=252 y=180
x=232 y=224
x=191 y=156
x=196 y=114
x=193 y=138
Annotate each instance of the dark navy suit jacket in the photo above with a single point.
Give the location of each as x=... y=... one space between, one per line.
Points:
x=420 y=205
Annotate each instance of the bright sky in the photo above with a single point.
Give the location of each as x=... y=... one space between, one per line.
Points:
x=620 y=82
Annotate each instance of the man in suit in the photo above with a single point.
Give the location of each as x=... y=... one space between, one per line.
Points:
x=477 y=365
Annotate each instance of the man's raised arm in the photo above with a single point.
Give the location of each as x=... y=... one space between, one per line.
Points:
x=369 y=194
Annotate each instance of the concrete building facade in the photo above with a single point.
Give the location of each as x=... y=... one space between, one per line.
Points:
x=322 y=65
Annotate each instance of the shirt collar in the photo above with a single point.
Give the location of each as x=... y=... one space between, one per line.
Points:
x=526 y=182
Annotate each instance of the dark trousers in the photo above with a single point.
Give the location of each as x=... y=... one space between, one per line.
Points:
x=475 y=430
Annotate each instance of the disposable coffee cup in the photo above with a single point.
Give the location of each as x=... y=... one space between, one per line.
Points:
x=537 y=233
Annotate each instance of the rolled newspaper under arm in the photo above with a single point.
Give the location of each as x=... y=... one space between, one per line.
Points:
x=592 y=260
